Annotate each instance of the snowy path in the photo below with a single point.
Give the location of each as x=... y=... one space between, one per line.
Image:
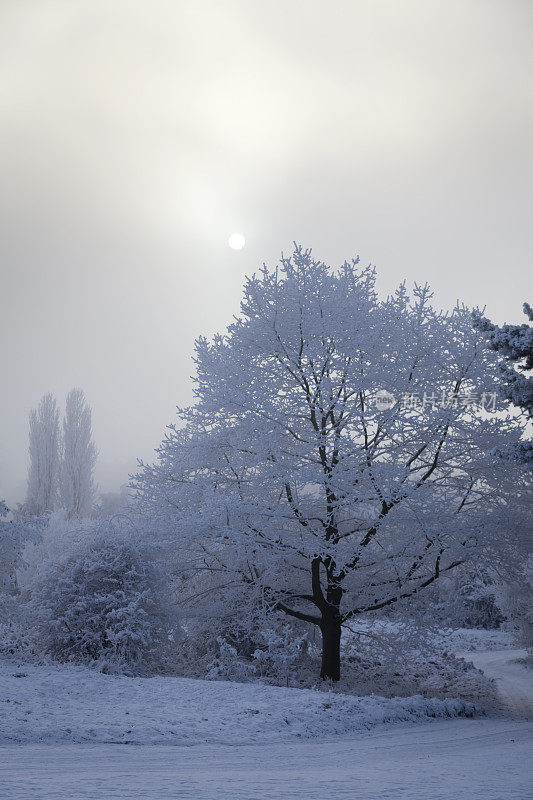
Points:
x=445 y=760
x=513 y=679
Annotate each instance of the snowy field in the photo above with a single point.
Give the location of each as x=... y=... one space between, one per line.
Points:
x=75 y=704
x=64 y=732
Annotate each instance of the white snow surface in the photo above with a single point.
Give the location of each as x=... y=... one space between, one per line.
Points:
x=461 y=759
x=47 y=704
x=249 y=740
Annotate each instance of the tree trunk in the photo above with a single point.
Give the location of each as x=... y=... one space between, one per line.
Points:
x=331 y=648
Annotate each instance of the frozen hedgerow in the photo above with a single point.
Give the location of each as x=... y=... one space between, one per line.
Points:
x=104 y=606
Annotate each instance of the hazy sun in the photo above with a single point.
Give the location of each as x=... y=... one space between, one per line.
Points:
x=236 y=241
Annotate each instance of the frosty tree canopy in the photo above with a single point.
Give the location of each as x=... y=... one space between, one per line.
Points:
x=288 y=484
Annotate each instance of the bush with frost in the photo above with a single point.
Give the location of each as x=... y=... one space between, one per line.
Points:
x=105 y=605
x=228 y=666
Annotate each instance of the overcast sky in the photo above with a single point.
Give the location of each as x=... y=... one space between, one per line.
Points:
x=137 y=136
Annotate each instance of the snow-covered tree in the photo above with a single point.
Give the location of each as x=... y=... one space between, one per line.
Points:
x=515 y=344
x=336 y=460
x=79 y=457
x=44 y=448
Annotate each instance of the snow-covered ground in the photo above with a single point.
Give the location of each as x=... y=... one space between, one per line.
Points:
x=75 y=704
x=60 y=726
x=463 y=759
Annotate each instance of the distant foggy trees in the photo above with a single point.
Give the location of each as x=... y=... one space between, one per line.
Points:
x=79 y=457
x=61 y=463
x=44 y=446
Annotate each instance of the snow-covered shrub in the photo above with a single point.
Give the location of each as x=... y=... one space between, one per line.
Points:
x=18 y=632
x=470 y=601
x=276 y=658
x=482 y=612
x=516 y=599
x=16 y=532
x=59 y=537
x=392 y=658
x=207 y=619
x=228 y=666
x=104 y=605
x=280 y=653
x=384 y=657
x=222 y=642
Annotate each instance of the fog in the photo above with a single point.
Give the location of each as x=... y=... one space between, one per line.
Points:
x=136 y=137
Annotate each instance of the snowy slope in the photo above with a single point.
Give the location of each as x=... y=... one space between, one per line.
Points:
x=62 y=704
